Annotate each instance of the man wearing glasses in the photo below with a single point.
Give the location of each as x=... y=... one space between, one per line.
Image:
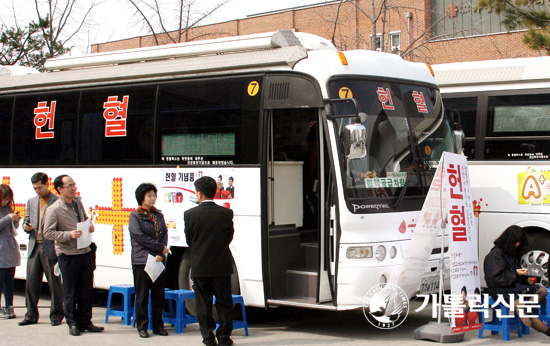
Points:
x=76 y=264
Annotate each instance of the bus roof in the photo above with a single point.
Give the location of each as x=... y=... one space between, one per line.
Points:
x=491 y=72
x=275 y=51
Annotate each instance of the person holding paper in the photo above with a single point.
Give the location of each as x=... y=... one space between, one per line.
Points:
x=149 y=238
x=209 y=231
x=76 y=264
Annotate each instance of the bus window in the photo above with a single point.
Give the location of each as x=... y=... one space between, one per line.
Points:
x=6 y=107
x=44 y=129
x=117 y=126
x=464 y=110
x=516 y=127
x=399 y=117
x=208 y=123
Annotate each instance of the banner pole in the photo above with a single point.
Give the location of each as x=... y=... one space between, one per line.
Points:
x=441 y=269
x=442 y=257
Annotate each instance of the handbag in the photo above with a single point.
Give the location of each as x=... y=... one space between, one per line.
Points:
x=93 y=248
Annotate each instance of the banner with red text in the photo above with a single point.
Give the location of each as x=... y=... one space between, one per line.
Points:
x=464 y=263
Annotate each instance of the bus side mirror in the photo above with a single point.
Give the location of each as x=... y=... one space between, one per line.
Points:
x=459 y=141
x=355 y=141
x=458 y=133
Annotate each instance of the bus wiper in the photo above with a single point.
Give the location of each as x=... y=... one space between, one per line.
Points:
x=401 y=195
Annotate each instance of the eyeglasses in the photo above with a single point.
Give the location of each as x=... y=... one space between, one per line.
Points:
x=70 y=186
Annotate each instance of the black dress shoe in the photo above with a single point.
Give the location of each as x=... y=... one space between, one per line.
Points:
x=162 y=332
x=91 y=328
x=143 y=334
x=229 y=342
x=26 y=322
x=74 y=331
x=56 y=323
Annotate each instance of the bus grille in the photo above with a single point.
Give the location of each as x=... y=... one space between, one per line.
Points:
x=279 y=91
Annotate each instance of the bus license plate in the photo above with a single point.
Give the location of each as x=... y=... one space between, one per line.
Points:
x=429 y=285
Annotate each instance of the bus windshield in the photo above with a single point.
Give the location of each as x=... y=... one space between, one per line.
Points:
x=406 y=135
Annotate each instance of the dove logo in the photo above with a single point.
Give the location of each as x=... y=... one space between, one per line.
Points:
x=386 y=306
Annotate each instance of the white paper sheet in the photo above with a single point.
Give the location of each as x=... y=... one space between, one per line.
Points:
x=153 y=268
x=85 y=238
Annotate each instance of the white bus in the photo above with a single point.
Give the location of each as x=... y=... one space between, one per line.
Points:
x=504 y=106
x=325 y=157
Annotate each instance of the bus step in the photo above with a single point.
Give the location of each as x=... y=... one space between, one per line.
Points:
x=301 y=283
x=310 y=253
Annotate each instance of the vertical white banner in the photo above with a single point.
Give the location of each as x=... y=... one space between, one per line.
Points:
x=415 y=264
x=463 y=246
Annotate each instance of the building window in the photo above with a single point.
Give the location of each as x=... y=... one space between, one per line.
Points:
x=395 y=42
x=378 y=43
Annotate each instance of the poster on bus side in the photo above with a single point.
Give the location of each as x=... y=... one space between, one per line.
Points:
x=534 y=188
x=464 y=263
x=176 y=194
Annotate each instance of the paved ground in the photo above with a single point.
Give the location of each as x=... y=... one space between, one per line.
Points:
x=276 y=327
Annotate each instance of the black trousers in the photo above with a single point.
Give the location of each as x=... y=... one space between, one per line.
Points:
x=39 y=264
x=143 y=284
x=78 y=280
x=205 y=288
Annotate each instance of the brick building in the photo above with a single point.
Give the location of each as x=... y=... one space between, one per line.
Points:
x=435 y=31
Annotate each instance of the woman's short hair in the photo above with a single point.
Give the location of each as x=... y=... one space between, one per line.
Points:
x=142 y=190
x=508 y=239
x=6 y=192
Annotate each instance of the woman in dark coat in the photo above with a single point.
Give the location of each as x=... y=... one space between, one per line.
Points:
x=503 y=276
x=149 y=237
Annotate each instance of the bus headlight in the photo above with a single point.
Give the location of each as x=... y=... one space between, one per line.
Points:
x=380 y=253
x=359 y=252
x=393 y=252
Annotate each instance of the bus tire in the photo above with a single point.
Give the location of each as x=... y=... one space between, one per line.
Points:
x=538 y=254
x=185 y=282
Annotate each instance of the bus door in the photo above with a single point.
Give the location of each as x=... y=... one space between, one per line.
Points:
x=298 y=274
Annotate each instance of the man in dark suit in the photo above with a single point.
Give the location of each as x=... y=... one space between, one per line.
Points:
x=41 y=255
x=209 y=231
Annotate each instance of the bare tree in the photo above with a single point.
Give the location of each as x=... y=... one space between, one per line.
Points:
x=64 y=20
x=377 y=12
x=49 y=35
x=169 y=21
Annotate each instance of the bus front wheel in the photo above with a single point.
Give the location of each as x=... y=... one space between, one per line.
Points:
x=537 y=257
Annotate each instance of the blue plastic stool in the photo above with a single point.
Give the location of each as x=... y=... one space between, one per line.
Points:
x=503 y=325
x=126 y=311
x=179 y=318
x=544 y=311
x=238 y=324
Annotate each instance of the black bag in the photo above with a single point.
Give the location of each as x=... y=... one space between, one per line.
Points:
x=93 y=247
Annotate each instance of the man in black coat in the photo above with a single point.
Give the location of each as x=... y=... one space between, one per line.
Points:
x=209 y=231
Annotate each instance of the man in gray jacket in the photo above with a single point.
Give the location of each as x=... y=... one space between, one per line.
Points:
x=41 y=257
x=60 y=224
